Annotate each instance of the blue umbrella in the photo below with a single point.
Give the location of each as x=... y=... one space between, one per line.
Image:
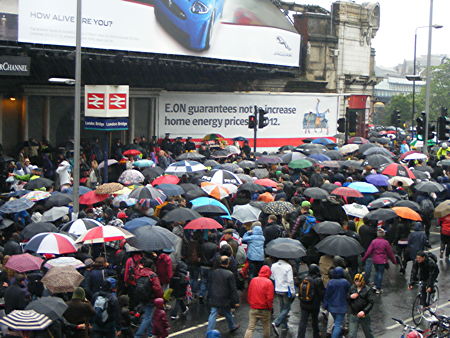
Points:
x=378 y=180
x=320 y=157
x=18 y=193
x=323 y=141
x=14 y=206
x=81 y=190
x=139 y=222
x=201 y=201
x=240 y=138
x=170 y=189
x=363 y=187
x=143 y=163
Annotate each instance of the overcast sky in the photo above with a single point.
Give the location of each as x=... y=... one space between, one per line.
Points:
x=394 y=41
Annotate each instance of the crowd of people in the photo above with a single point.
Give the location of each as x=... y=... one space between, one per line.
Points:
x=376 y=199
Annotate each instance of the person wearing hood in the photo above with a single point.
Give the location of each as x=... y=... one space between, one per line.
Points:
x=260 y=297
x=106 y=321
x=160 y=325
x=255 y=251
x=16 y=295
x=335 y=299
x=360 y=299
x=311 y=291
x=179 y=283
x=417 y=241
x=78 y=313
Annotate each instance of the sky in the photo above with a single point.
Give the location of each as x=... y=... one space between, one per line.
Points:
x=394 y=41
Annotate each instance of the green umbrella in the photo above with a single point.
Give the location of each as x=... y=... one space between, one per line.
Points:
x=300 y=164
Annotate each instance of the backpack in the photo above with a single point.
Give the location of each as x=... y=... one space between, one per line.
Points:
x=148 y=288
x=307 y=290
x=310 y=221
x=101 y=307
x=432 y=256
x=241 y=256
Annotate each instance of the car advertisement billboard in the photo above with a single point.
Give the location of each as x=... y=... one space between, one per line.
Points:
x=239 y=30
x=292 y=117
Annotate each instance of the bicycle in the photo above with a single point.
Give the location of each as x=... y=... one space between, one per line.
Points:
x=439 y=325
x=432 y=299
x=408 y=329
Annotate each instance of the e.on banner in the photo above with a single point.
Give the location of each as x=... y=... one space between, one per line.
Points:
x=250 y=30
x=291 y=116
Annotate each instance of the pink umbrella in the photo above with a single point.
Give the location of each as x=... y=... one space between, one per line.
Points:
x=24 y=262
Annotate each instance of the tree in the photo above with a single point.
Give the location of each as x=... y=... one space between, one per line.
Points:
x=403 y=103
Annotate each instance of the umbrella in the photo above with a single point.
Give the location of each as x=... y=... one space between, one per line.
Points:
x=357 y=140
x=402 y=156
x=33 y=229
x=310 y=148
x=64 y=261
x=166 y=179
x=108 y=188
x=52 y=307
x=327 y=228
x=170 y=189
x=5 y=223
x=330 y=164
x=252 y=187
x=220 y=176
x=17 y=205
x=333 y=155
x=181 y=215
x=407 y=203
x=443 y=209
x=421 y=175
x=107 y=233
x=285 y=248
x=377 y=160
x=131 y=176
x=363 y=187
x=379 y=151
x=80 y=226
x=37 y=195
x=24 y=262
x=444 y=163
x=356 y=210
x=91 y=198
x=131 y=152
x=381 y=215
x=39 y=183
x=425 y=168
x=347 y=192
x=289 y=157
x=348 y=148
x=152 y=238
x=407 y=213
x=378 y=180
x=109 y=163
x=206 y=201
x=365 y=146
x=245 y=178
x=211 y=137
x=61 y=279
x=391 y=194
x=139 y=222
x=396 y=169
x=352 y=164
x=152 y=173
x=222 y=153
x=286 y=148
x=260 y=173
x=269 y=159
x=211 y=163
x=266 y=182
x=193 y=156
x=215 y=190
x=329 y=187
x=278 y=208
x=233 y=150
x=143 y=163
x=428 y=187
x=189 y=187
x=319 y=157
x=233 y=167
x=340 y=245
x=245 y=213
x=54 y=214
x=81 y=190
x=202 y=223
x=51 y=243
x=322 y=140
x=183 y=167
x=26 y=320
x=406 y=182
x=240 y=138
x=245 y=164
x=415 y=156
x=58 y=199
x=300 y=164
x=382 y=202
x=316 y=193
x=148 y=192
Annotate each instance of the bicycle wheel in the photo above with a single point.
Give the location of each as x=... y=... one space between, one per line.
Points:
x=417 y=311
x=433 y=304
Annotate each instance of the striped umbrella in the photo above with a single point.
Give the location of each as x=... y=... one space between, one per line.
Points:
x=51 y=243
x=26 y=320
x=24 y=262
x=183 y=167
x=147 y=192
x=107 y=233
x=220 y=176
x=215 y=190
x=37 y=195
x=80 y=226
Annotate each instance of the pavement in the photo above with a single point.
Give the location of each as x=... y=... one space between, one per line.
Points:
x=395 y=301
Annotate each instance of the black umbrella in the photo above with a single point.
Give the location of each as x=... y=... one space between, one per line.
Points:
x=170 y=189
x=38 y=183
x=351 y=164
x=192 y=194
x=382 y=140
x=381 y=215
x=285 y=248
x=316 y=193
x=376 y=161
x=189 y=186
x=52 y=307
x=424 y=168
x=58 y=199
x=152 y=238
x=194 y=156
x=252 y=187
x=210 y=211
x=152 y=172
x=220 y=154
x=261 y=172
x=379 y=151
x=233 y=167
x=329 y=187
x=286 y=148
x=382 y=202
x=147 y=192
x=421 y=175
x=366 y=146
x=429 y=187
x=221 y=176
x=328 y=228
x=334 y=155
x=409 y=204
x=269 y=159
x=211 y=163
x=392 y=194
x=292 y=156
x=247 y=164
x=340 y=245
x=278 y=208
x=36 y=228
x=181 y=215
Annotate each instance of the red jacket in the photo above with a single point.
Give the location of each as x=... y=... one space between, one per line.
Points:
x=444 y=222
x=164 y=268
x=160 y=325
x=261 y=290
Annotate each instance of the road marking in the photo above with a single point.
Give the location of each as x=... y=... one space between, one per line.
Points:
x=410 y=319
x=435 y=233
x=192 y=328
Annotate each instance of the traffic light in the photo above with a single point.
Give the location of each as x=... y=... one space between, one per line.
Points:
x=420 y=129
x=395 y=118
x=431 y=132
x=352 y=117
x=252 y=121
x=262 y=120
x=443 y=125
x=341 y=125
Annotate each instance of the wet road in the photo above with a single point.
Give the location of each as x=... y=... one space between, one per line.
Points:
x=395 y=301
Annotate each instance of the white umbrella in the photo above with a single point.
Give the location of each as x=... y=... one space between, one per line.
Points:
x=54 y=214
x=349 y=148
x=405 y=180
x=415 y=156
x=65 y=261
x=356 y=210
x=246 y=213
x=233 y=150
x=110 y=162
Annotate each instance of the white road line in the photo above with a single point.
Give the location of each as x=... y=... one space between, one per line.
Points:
x=192 y=328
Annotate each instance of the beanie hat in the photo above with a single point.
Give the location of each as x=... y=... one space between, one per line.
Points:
x=306 y=204
x=79 y=293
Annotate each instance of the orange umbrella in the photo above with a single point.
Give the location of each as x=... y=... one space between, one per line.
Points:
x=408 y=213
x=215 y=190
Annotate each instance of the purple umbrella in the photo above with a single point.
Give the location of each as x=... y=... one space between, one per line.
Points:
x=378 y=180
x=320 y=157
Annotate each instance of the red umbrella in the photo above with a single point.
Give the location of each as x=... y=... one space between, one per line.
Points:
x=347 y=192
x=91 y=197
x=203 y=223
x=131 y=152
x=24 y=262
x=266 y=182
x=107 y=233
x=358 y=140
x=166 y=179
x=396 y=169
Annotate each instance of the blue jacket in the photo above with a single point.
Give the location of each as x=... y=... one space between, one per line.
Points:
x=255 y=240
x=417 y=240
x=335 y=299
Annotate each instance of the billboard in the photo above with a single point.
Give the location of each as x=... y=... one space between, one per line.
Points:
x=240 y=30
x=291 y=116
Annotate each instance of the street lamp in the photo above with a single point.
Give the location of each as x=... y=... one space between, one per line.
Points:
x=416 y=77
